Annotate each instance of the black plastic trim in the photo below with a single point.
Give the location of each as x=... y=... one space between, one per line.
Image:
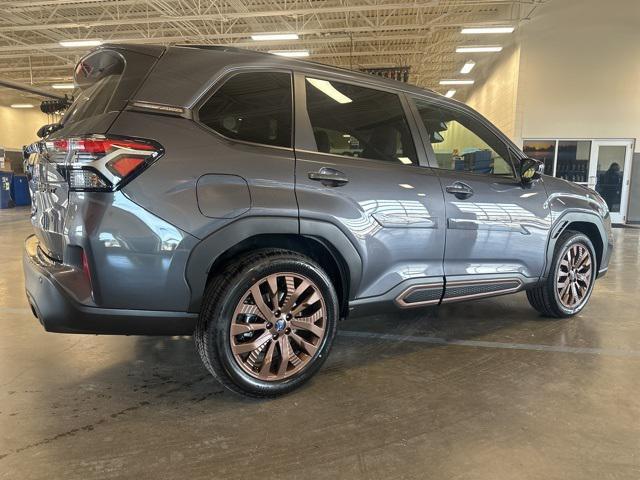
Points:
x=560 y=225
x=57 y=312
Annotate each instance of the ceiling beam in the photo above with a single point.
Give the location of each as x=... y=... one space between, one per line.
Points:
x=228 y=37
x=226 y=16
x=29 y=89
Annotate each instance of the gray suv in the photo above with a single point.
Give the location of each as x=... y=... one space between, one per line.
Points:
x=254 y=200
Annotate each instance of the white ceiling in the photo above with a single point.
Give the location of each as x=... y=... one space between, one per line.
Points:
x=422 y=34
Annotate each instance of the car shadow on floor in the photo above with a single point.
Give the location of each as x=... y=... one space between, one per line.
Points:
x=173 y=361
x=164 y=377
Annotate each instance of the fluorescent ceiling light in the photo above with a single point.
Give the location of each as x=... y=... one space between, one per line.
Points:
x=450 y=93
x=473 y=30
x=329 y=90
x=405 y=160
x=290 y=53
x=21 y=105
x=259 y=37
x=478 y=49
x=81 y=43
x=405 y=185
x=346 y=135
x=456 y=82
x=63 y=86
x=467 y=67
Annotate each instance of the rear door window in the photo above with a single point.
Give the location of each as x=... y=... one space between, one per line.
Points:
x=253 y=107
x=357 y=121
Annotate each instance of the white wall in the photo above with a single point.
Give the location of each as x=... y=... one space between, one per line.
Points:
x=576 y=74
x=18 y=126
x=495 y=96
x=580 y=71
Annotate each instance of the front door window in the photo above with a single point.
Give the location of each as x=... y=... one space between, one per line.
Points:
x=461 y=143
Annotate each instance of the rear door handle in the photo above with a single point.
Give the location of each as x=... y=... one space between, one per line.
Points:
x=329 y=177
x=460 y=190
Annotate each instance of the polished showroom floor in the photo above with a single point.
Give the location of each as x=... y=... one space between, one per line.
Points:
x=481 y=390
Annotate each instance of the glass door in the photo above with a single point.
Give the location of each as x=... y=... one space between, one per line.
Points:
x=609 y=174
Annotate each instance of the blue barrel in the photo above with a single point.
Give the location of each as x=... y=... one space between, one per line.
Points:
x=5 y=190
x=20 y=191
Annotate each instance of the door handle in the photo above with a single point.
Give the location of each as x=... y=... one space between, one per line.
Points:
x=329 y=177
x=460 y=190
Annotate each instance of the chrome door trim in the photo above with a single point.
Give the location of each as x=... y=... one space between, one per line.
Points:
x=398 y=220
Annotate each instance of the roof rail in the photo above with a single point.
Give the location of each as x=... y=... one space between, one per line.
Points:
x=220 y=48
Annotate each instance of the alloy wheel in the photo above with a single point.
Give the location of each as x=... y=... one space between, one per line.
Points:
x=277 y=326
x=574 y=276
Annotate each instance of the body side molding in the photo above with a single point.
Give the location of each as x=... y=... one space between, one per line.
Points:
x=470 y=289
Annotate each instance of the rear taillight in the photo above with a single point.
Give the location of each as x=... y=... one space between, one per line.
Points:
x=98 y=163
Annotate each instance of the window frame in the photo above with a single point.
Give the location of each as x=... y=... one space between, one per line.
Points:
x=225 y=77
x=305 y=140
x=437 y=104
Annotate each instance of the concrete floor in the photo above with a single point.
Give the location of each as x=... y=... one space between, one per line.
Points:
x=509 y=396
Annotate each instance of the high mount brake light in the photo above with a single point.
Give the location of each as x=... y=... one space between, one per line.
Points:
x=101 y=163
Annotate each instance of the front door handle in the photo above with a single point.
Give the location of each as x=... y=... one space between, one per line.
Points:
x=460 y=190
x=329 y=177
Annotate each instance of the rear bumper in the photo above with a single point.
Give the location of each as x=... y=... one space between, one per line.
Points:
x=58 y=311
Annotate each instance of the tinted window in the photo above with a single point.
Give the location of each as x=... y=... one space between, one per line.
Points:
x=98 y=76
x=462 y=143
x=107 y=80
x=254 y=107
x=358 y=121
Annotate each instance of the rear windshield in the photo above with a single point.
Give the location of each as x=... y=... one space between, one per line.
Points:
x=107 y=79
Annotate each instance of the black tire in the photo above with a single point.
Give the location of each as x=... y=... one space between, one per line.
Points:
x=223 y=294
x=545 y=298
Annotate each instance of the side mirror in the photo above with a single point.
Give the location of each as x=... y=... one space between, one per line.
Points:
x=530 y=169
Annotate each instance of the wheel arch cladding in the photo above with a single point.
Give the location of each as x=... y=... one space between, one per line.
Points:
x=587 y=223
x=336 y=256
x=590 y=230
x=316 y=249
